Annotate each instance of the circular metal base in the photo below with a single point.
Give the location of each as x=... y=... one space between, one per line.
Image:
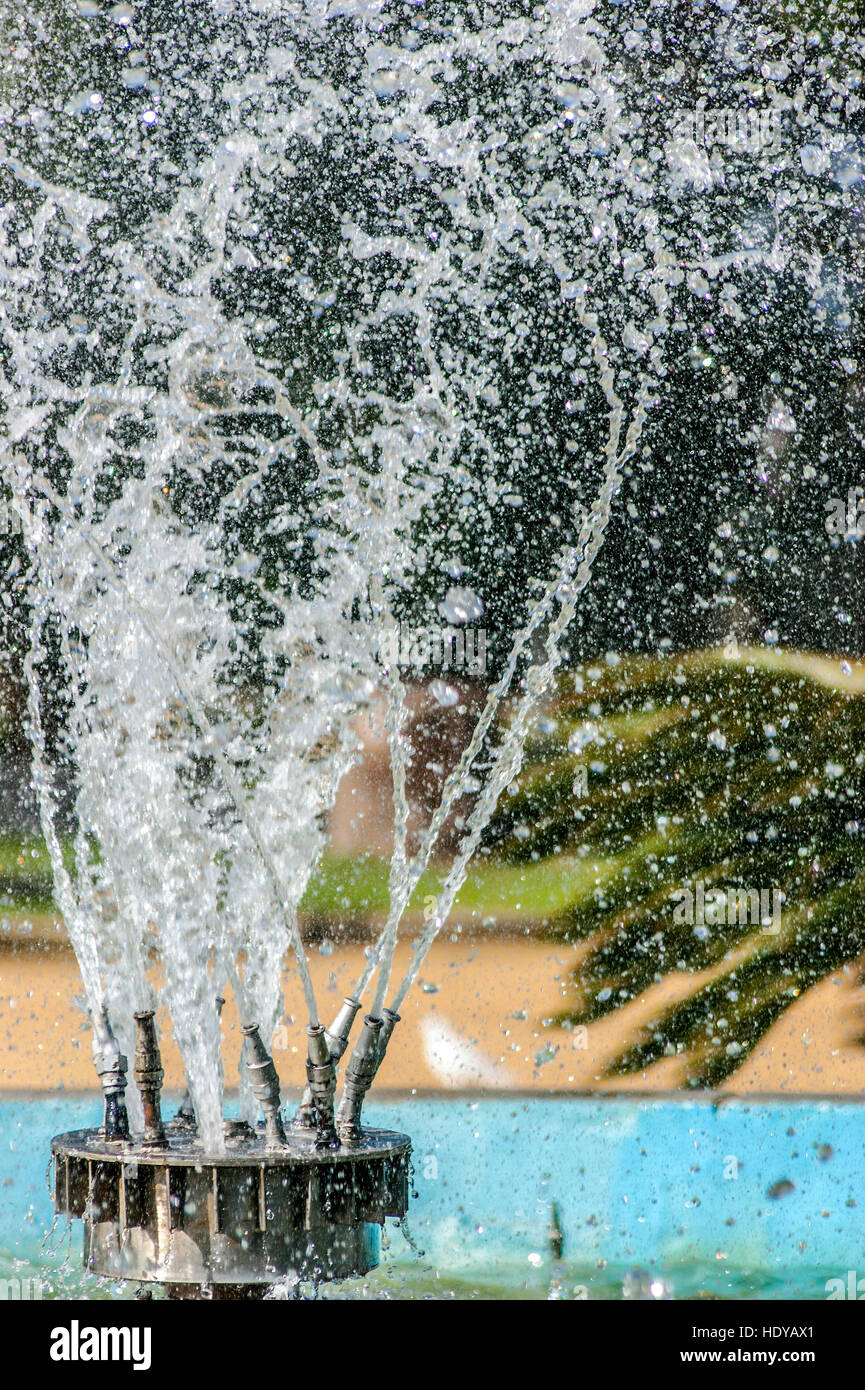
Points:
x=253 y=1215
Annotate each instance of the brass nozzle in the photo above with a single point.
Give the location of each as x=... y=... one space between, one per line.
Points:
x=390 y=1020
x=148 y=1078
x=337 y=1033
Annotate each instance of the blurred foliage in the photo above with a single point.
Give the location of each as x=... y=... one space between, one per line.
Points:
x=742 y=772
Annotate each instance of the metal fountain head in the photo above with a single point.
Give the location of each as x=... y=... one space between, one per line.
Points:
x=363 y=1067
x=321 y=1080
x=158 y=1209
x=389 y=1021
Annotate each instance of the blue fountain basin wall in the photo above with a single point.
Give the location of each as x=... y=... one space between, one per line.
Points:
x=677 y=1186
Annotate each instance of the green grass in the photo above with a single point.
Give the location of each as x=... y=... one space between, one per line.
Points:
x=536 y=892
x=25 y=875
x=350 y=888
x=25 y=856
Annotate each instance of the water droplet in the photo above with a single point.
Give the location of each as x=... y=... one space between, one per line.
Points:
x=460 y=605
x=134 y=78
x=443 y=694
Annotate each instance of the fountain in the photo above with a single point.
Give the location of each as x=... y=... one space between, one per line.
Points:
x=162 y=1210
x=244 y=443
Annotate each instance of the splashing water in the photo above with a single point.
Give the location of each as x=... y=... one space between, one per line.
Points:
x=266 y=272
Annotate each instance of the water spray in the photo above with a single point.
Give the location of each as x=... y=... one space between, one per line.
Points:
x=186 y=1113
x=254 y=1202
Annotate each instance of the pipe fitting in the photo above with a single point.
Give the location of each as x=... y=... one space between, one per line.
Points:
x=148 y=1078
x=111 y=1064
x=359 y=1076
x=264 y=1084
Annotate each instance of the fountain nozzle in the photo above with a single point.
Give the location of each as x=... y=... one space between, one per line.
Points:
x=336 y=1037
x=337 y=1033
x=148 y=1078
x=321 y=1082
x=391 y=1019
x=359 y=1075
x=111 y=1064
x=264 y=1084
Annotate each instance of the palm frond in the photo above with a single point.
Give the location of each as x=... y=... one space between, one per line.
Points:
x=745 y=773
